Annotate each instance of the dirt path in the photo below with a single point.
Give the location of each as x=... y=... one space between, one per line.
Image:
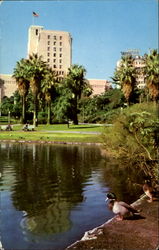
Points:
x=137 y=234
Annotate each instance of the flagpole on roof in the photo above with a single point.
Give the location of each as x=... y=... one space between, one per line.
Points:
x=34 y=15
x=33 y=19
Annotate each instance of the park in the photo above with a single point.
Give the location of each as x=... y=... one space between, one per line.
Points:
x=79 y=125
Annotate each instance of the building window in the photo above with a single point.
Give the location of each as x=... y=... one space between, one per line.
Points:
x=60 y=66
x=54 y=60
x=48 y=48
x=60 y=43
x=60 y=37
x=54 y=37
x=54 y=48
x=60 y=61
x=48 y=42
x=36 y=32
x=60 y=49
x=48 y=36
x=54 y=54
x=60 y=55
x=54 y=43
x=54 y=66
x=48 y=60
x=48 y=54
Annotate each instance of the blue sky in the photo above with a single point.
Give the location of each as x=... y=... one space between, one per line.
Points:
x=101 y=29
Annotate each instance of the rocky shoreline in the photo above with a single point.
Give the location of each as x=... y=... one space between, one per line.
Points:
x=51 y=142
x=136 y=234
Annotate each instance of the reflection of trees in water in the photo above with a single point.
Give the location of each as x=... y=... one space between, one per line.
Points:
x=48 y=182
x=53 y=219
x=123 y=180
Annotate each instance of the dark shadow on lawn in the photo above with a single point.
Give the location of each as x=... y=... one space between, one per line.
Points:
x=83 y=127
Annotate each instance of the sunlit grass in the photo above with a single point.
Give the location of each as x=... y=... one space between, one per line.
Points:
x=39 y=135
x=64 y=127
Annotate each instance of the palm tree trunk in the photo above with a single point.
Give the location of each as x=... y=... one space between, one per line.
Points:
x=23 y=110
x=75 y=117
x=49 y=114
x=35 y=116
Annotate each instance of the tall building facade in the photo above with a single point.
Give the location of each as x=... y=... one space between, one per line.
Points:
x=55 y=47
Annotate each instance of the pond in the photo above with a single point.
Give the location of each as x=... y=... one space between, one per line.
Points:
x=52 y=194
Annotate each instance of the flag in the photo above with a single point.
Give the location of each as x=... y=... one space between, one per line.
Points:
x=35 y=14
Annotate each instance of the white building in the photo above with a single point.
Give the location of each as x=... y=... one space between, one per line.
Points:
x=54 y=46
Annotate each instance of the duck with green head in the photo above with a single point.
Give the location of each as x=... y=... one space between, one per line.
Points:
x=120 y=208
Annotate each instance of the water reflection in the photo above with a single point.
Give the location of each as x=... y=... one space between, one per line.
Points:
x=52 y=194
x=48 y=182
x=125 y=182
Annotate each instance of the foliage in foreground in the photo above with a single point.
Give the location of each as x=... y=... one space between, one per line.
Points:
x=134 y=138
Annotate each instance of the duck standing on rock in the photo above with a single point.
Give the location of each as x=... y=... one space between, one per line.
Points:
x=122 y=209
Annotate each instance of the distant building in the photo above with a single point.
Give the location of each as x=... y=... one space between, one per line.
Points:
x=55 y=47
x=7 y=85
x=138 y=63
x=99 y=86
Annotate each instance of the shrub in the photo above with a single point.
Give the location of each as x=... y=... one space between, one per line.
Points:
x=133 y=138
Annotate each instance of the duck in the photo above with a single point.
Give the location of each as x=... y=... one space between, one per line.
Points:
x=120 y=208
x=149 y=190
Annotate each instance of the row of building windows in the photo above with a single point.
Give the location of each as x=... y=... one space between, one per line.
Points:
x=54 y=49
x=139 y=63
x=60 y=72
x=55 y=43
x=10 y=82
x=55 y=60
x=54 y=55
x=55 y=65
x=55 y=37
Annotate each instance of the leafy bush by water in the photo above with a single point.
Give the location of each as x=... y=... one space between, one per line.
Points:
x=134 y=137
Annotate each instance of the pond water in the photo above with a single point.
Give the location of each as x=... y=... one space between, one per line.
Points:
x=52 y=194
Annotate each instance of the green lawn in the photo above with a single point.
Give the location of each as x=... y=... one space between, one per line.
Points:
x=52 y=133
x=64 y=127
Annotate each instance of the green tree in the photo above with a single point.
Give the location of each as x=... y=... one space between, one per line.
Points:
x=36 y=71
x=17 y=108
x=75 y=81
x=47 y=89
x=102 y=108
x=7 y=105
x=152 y=74
x=20 y=74
x=63 y=104
x=125 y=76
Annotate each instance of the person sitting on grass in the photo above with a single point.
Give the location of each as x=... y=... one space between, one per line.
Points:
x=9 y=127
x=25 y=127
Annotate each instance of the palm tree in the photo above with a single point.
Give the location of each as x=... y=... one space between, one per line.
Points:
x=37 y=70
x=152 y=74
x=47 y=89
x=125 y=76
x=76 y=82
x=20 y=74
